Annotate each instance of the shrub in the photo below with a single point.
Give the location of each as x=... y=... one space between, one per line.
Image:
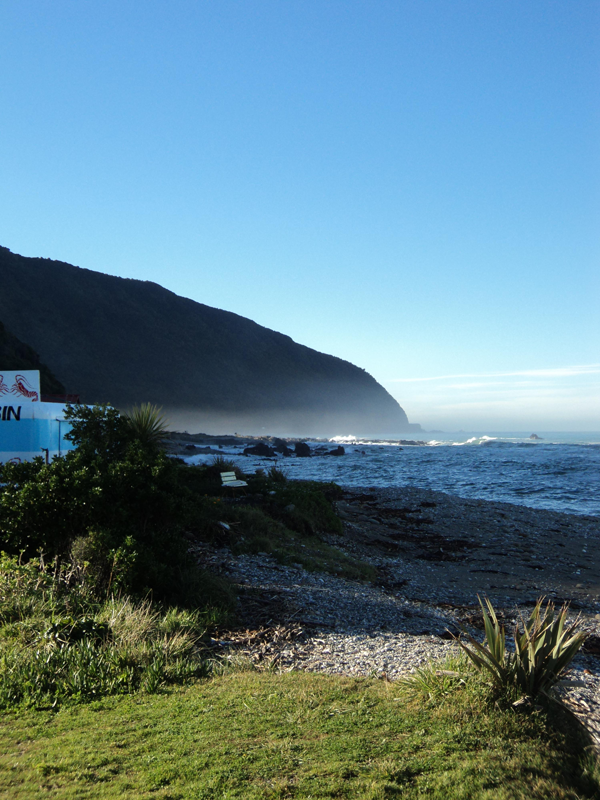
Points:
x=305 y=507
x=113 y=507
x=259 y=532
x=277 y=475
x=205 y=479
x=103 y=569
x=544 y=648
x=221 y=464
x=97 y=431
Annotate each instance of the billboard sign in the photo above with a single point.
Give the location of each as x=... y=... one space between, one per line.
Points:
x=22 y=386
x=28 y=427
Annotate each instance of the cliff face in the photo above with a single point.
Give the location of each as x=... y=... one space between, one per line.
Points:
x=125 y=341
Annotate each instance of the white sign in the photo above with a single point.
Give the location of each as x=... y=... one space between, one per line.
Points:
x=22 y=386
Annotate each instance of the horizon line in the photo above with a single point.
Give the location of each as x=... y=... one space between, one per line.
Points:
x=556 y=372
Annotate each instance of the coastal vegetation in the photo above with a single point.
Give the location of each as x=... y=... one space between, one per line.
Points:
x=109 y=688
x=108 y=535
x=146 y=423
x=544 y=646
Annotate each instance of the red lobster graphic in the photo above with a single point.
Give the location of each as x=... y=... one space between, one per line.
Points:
x=20 y=388
x=3 y=386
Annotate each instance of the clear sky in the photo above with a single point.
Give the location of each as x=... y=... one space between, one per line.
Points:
x=412 y=186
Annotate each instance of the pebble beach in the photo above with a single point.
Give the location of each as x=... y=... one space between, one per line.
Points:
x=434 y=553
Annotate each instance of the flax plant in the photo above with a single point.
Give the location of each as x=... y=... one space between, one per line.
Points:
x=544 y=648
x=147 y=423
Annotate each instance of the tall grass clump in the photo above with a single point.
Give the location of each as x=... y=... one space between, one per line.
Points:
x=33 y=591
x=438 y=679
x=221 y=464
x=276 y=475
x=57 y=642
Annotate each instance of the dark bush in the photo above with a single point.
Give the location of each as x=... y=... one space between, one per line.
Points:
x=117 y=497
x=306 y=507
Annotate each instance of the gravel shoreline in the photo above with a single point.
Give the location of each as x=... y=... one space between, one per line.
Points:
x=434 y=553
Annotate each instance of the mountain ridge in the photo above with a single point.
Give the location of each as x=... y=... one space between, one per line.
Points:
x=126 y=341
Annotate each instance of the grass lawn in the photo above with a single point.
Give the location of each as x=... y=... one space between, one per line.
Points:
x=259 y=735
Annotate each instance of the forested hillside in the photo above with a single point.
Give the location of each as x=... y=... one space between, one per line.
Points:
x=128 y=341
x=15 y=354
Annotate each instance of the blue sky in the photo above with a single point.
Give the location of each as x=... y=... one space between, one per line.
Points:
x=411 y=186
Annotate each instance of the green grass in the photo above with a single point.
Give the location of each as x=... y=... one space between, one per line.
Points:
x=290 y=524
x=287 y=519
x=262 y=533
x=256 y=735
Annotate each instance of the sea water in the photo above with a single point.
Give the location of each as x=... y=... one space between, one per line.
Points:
x=558 y=471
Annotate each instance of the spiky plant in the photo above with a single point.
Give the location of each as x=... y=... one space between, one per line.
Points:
x=222 y=464
x=543 y=648
x=147 y=423
x=493 y=658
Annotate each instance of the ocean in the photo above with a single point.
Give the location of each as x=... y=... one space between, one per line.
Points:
x=558 y=471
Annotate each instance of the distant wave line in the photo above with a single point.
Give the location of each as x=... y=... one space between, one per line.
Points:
x=558 y=372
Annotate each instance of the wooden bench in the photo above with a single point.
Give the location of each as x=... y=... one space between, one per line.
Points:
x=229 y=481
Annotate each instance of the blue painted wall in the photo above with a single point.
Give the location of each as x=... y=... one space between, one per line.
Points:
x=23 y=437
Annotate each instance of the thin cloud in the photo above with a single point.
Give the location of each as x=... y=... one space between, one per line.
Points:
x=557 y=372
